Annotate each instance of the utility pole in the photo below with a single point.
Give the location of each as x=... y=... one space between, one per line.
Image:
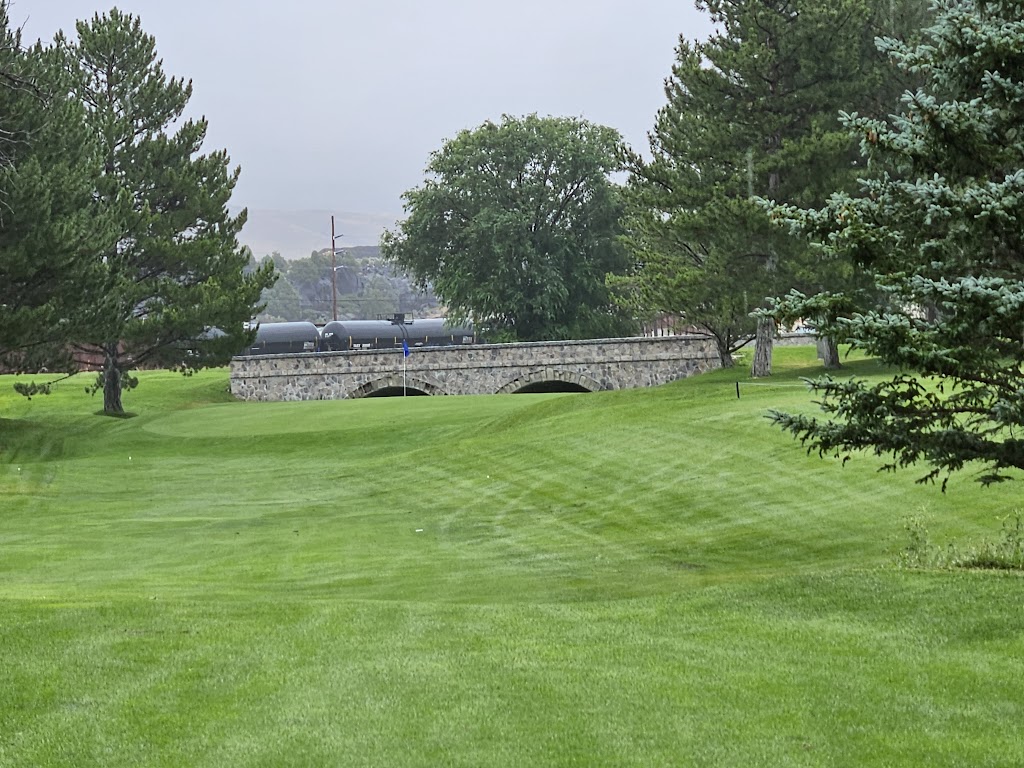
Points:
x=334 y=274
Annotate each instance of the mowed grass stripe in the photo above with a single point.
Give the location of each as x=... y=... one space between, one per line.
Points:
x=724 y=674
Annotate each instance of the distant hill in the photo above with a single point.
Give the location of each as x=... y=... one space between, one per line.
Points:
x=296 y=234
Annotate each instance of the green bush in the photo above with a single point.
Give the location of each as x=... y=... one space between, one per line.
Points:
x=1004 y=553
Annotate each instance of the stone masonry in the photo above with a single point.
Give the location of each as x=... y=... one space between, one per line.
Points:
x=595 y=364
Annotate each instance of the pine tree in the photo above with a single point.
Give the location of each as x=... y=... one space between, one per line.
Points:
x=752 y=115
x=50 y=224
x=942 y=230
x=175 y=292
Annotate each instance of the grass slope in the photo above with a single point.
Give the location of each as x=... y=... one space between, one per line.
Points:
x=640 y=578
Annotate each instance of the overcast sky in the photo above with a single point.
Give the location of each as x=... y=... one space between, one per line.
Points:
x=337 y=104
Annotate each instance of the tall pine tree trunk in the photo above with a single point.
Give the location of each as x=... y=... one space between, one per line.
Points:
x=828 y=352
x=111 y=380
x=764 y=341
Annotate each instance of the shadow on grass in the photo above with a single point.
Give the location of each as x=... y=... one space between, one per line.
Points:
x=123 y=415
x=21 y=437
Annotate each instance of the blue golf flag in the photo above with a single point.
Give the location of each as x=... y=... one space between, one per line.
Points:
x=405 y=347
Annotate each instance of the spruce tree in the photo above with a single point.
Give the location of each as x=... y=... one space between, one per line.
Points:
x=942 y=231
x=175 y=292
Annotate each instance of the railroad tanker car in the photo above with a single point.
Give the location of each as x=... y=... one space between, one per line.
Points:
x=347 y=335
x=342 y=335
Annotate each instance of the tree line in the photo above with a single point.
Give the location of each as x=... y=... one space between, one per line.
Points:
x=855 y=165
x=521 y=226
x=363 y=287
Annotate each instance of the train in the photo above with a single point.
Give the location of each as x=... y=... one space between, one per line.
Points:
x=349 y=335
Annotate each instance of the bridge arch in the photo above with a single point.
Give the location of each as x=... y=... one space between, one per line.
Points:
x=393 y=384
x=540 y=380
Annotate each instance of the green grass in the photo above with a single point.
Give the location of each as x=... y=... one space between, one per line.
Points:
x=641 y=578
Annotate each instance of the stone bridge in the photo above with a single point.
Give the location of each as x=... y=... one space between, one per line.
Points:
x=546 y=366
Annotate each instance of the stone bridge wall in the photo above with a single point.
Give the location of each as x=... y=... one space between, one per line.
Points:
x=595 y=364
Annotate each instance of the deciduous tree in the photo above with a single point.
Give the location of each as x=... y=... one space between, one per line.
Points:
x=516 y=227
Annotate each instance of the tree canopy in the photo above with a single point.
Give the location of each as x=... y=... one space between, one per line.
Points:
x=515 y=228
x=50 y=223
x=752 y=114
x=941 y=229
